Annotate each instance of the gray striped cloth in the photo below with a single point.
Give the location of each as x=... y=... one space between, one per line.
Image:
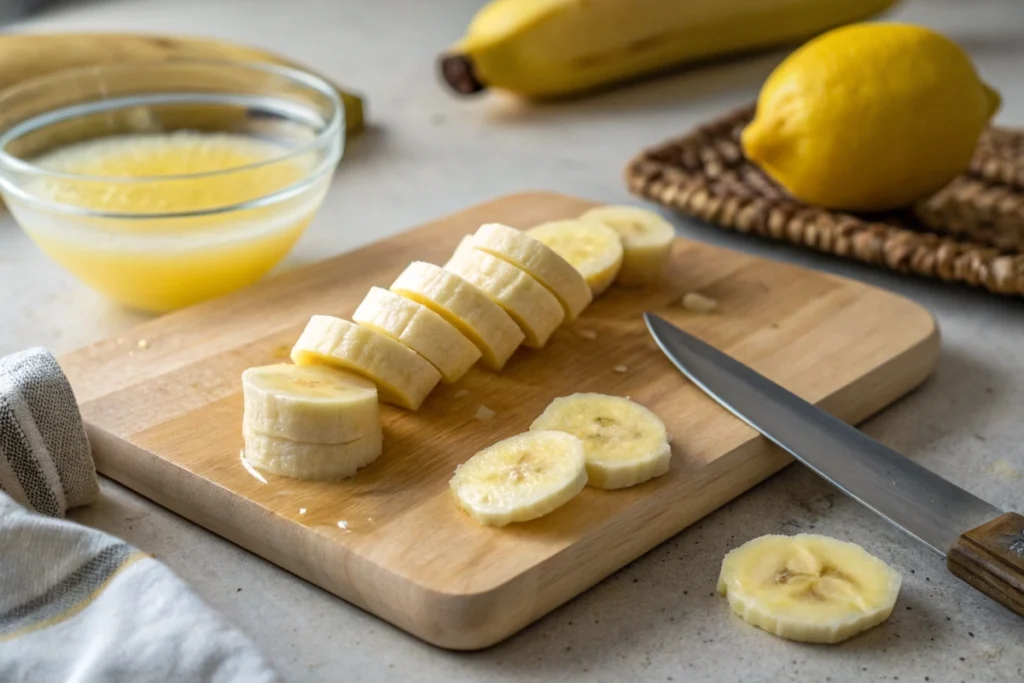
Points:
x=45 y=463
x=77 y=604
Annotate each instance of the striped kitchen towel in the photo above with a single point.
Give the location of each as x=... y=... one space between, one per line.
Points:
x=77 y=604
x=45 y=463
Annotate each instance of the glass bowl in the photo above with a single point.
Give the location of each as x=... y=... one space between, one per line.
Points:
x=161 y=184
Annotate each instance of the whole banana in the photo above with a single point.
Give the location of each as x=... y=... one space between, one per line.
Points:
x=24 y=56
x=551 y=48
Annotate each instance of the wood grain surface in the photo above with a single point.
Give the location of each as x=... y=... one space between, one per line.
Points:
x=163 y=410
x=991 y=558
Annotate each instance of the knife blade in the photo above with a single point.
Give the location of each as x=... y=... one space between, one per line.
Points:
x=913 y=498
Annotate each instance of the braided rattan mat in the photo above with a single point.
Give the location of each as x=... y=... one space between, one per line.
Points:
x=972 y=231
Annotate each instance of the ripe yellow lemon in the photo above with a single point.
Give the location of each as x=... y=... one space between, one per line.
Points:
x=869 y=117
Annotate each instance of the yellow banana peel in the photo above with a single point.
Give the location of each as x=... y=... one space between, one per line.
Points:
x=553 y=48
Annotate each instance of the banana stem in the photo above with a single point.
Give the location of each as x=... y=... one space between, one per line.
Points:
x=458 y=72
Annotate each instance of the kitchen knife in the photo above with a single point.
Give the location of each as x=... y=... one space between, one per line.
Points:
x=982 y=545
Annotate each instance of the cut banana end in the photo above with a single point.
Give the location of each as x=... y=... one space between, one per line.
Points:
x=419 y=328
x=302 y=460
x=402 y=376
x=463 y=305
x=521 y=478
x=309 y=403
x=646 y=240
x=536 y=310
x=540 y=261
x=808 y=587
x=591 y=247
x=625 y=443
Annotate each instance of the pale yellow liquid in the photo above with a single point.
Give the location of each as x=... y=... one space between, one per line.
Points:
x=160 y=264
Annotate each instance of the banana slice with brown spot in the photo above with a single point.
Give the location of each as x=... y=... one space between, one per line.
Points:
x=808 y=587
x=419 y=328
x=625 y=443
x=463 y=305
x=647 y=240
x=540 y=262
x=402 y=376
x=310 y=403
x=529 y=303
x=521 y=478
x=591 y=247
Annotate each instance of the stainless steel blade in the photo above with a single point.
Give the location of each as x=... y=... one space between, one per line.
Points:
x=913 y=498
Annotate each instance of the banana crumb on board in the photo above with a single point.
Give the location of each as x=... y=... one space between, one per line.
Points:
x=1004 y=470
x=461 y=393
x=483 y=413
x=698 y=303
x=587 y=334
x=621 y=369
x=143 y=344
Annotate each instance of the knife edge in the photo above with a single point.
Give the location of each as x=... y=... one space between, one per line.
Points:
x=901 y=491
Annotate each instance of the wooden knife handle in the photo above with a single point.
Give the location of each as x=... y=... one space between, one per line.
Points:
x=991 y=558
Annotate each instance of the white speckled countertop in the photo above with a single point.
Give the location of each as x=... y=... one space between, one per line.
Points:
x=430 y=154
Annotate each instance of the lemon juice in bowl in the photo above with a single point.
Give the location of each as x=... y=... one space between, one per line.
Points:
x=160 y=200
x=162 y=263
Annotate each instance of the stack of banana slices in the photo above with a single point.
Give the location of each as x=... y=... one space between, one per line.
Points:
x=309 y=422
x=501 y=288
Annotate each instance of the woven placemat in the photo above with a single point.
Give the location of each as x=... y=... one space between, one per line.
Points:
x=971 y=231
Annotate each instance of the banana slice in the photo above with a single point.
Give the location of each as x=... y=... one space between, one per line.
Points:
x=646 y=239
x=540 y=262
x=521 y=478
x=625 y=443
x=402 y=376
x=303 y=460
x=419 y=328
x=591 y=247
x=464 y=306
x=528 y=302
x=808 y=587
x=309 y=403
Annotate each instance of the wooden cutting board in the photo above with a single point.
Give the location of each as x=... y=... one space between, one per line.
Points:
x=163 y=409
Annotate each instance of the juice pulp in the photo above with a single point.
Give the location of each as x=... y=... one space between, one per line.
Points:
x=159 y=263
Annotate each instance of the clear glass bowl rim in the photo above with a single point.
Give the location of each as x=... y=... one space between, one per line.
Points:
x=11 y=164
